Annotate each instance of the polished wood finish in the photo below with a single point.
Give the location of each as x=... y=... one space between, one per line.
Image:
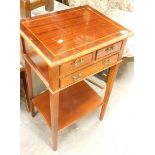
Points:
x=110 y=82
x=104 y=74
x=54 y=77
x=80 y=75
x=64 y=48
x=54 y=103
x=122 y=48
x=75 y=64
x=41 y=69
x=30 y=88
x=54 y=112
x=57 y=37
x=26 y=79
x=75 y=102
x=23 y=81
x=108 y=50
x=25 y=10
x=24 y=88
x=26 y=6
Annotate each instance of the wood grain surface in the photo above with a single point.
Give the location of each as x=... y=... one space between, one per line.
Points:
x=62 y=36
x=72 y=104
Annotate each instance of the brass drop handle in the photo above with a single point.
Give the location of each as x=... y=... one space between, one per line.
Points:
x=106 y=62
x=78 y=62
x=76 y=77
x=108 y=49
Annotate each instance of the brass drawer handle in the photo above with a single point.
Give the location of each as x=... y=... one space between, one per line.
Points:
x=78 y=62
x=76 y=77
x=108 y=49
x=107 y=62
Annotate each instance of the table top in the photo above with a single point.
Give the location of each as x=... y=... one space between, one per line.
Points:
x=61 y=36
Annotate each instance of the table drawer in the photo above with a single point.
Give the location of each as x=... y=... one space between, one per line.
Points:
x=108 y=50
x=79 y=75
x=75 y=64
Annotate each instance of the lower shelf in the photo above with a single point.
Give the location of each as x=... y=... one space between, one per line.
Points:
x=75 y=102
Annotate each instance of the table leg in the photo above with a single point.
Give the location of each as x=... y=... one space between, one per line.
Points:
x=24 y=85
x=29 y=84
x=54 y=109
x=110 y=82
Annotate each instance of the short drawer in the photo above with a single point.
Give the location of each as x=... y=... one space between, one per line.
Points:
x=108 y=50
x=79 y=75
x=75 y=64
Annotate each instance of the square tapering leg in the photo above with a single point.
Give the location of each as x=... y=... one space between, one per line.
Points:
x=54 y=110
x=30 y=89
x=111 y=78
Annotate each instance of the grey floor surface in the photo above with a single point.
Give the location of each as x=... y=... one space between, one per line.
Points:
x=88 y=136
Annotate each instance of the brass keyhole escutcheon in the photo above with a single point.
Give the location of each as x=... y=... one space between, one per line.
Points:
x=106 y=62
x=76 y=77
x=108 y=49
x=78 y=62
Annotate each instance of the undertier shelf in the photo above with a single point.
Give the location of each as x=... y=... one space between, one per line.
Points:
x=75 y=102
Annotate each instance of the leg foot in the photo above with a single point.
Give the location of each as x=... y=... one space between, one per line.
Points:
x=32 y=110
x=102 y=112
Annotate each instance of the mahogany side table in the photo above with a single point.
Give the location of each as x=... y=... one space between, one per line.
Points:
x=64 y=48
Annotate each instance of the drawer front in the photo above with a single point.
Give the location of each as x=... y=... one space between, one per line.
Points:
x=75 y=64
x=79 y=75
x=108 y=50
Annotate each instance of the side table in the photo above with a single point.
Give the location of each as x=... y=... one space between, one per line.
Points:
x=64 y=48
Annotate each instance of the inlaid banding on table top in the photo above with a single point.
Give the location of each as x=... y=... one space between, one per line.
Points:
x=74 y=34
x=60 y=50
x=26 y=22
